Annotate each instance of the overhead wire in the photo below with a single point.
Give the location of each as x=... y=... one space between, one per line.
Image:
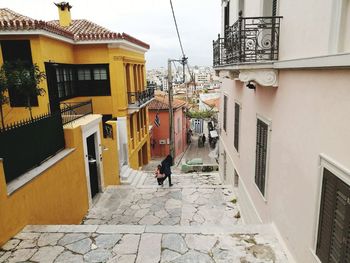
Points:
x=179 y=38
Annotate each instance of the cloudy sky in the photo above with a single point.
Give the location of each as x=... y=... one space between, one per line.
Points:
x=149 y=20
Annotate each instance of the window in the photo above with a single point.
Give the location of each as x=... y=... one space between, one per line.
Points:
x=65 y=82
x=13 y=50
x=261 y=155
x=333 y=239
x=107 y=128
x=227 y=16
x=100 y=74
x=225 y=113
x=84 y=74
x=236 y=132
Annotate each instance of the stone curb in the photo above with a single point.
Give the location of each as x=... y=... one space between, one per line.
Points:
x=140 y=229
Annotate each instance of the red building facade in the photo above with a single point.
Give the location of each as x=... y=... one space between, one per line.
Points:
x=160 y=134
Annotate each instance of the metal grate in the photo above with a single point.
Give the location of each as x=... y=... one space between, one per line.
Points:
x=248 y=40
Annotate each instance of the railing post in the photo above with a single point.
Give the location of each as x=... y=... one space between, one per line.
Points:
x=273 y=26
x=240 y=45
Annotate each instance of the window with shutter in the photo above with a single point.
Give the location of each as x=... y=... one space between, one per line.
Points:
x=333 y=239
x=236 y=132
x=261 y=155
x=227 y=15
x=225 y=113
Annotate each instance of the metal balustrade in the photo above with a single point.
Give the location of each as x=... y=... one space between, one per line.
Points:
x=248 y=40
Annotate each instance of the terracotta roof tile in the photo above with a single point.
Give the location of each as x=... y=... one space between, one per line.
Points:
x=213 y=102
x=79 y=30
x=161 y=102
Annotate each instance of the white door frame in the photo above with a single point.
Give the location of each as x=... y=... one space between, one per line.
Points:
x=93 y=128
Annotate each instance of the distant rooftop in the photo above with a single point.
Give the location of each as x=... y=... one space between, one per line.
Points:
x=161 y=102
x=80 y=29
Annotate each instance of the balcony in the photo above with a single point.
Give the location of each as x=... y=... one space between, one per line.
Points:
x=140 y=99
x=249 y=40
x=71 y=111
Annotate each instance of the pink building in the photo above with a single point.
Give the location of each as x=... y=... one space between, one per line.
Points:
x=160 y=134
x=285 y=125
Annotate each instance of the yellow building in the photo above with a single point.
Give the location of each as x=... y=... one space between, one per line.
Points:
x=84 y=61
x=89 y=69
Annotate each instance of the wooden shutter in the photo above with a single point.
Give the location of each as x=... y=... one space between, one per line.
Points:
x=261 y=155
x=236 y=132
x=227 y=15
x=225 y=113
x=333 y=240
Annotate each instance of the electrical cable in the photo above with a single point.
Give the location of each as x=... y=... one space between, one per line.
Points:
x=179 y=38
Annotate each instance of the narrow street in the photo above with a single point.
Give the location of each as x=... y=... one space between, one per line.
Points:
x=196 y=220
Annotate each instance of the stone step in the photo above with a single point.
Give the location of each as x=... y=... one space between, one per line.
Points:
x=128 y=177
x=137 y=178
x=139 y=229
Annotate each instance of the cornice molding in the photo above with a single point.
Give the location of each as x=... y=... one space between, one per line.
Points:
x=264 y=77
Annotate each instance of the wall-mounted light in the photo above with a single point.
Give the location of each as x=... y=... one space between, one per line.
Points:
x=251 y=85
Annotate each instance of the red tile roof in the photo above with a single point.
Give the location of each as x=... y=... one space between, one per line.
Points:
x=80 y=29
x=161 y=102
x=213 y=103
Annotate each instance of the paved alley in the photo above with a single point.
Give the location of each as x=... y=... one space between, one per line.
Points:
x=196 y=220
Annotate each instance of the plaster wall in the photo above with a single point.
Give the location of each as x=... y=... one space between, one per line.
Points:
x=308 y=113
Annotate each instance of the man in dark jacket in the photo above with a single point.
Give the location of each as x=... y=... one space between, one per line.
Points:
x=166 y=168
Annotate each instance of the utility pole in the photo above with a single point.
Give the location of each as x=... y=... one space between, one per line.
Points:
x=171 y=113
x=184 y=62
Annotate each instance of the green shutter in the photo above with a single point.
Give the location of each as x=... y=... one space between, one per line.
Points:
x=333 y=230
x=236 y=132
x=261 y=155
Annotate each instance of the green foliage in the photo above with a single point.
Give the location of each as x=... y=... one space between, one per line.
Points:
x=25 y=79
x=207 y=114
x=234 y=200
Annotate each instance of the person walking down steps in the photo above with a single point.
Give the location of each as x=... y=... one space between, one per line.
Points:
x=166 y=169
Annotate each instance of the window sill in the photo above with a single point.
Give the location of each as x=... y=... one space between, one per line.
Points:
x=30 y=175
x=261 y=195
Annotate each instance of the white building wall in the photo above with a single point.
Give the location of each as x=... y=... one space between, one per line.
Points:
x=308 y=112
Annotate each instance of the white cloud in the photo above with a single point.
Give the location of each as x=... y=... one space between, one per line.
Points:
x=149 y=20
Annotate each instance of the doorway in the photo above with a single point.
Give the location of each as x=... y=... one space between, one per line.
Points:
x=93 y=173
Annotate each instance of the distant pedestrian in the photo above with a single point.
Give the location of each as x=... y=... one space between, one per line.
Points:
x=203 y=139
x=166 y=168
x=159 y=175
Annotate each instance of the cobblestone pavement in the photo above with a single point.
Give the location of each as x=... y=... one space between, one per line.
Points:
x=196 y=220
x=194 y=199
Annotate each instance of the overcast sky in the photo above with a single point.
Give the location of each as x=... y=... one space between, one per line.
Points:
x=149 y=20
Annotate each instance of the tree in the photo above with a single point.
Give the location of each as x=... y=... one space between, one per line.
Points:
x=25 y=79
x=3 y=94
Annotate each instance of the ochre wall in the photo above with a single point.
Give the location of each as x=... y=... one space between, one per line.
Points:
x=43 y=50
x=110 y=157
x=57 y=196
x=100 y=104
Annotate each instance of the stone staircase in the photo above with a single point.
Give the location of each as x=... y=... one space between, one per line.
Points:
x=130 y=176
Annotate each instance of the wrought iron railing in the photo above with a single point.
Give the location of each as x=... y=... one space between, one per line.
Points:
x=72 y=111
x=248 y=40
x=140 y=97
x=27 y=143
